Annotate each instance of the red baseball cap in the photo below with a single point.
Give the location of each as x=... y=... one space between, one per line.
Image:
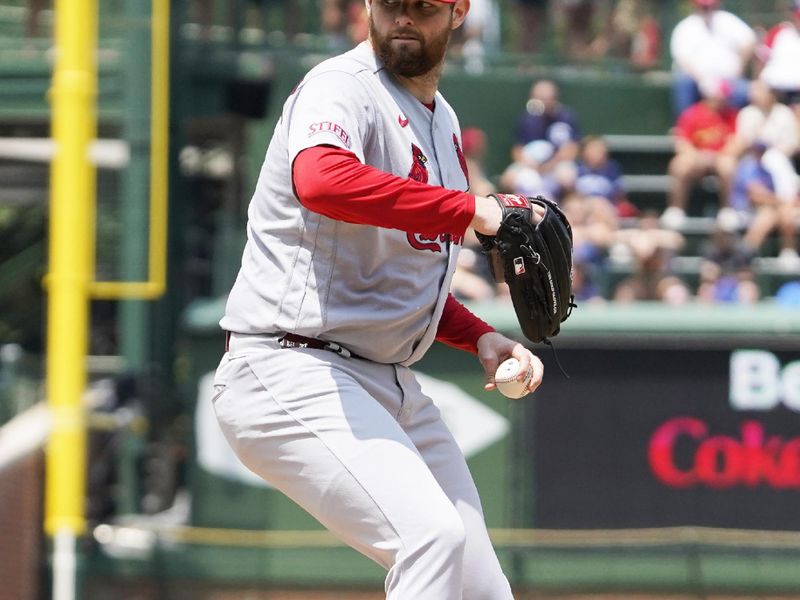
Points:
x=706 y=3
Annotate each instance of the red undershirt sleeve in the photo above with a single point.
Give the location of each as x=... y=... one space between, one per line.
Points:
x=333 y=182
x=460 y=328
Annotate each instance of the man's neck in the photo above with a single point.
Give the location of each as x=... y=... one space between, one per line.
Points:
x=423 y=87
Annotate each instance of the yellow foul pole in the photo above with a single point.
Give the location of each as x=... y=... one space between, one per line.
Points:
x=72 y=189
x=156 y=283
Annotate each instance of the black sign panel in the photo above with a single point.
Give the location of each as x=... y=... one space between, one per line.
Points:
x=666 y=437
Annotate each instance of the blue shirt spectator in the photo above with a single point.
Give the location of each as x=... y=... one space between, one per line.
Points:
x=603 y=180
x=547 y=120
x=749 y=171
x=557 y=127
x=598 y=176
x=788 y=295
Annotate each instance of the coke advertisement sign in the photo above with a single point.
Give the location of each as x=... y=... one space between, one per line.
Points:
x=650 y=437
x=720 y=461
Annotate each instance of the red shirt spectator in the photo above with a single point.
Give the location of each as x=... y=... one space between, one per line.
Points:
x=706 y=127
x=703 y=136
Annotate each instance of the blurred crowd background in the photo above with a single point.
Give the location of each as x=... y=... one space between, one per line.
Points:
x=735 y=98
x=735 y=90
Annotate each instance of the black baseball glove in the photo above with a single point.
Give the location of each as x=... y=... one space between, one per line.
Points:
x=534 y=257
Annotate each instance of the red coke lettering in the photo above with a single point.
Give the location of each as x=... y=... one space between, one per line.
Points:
x=722 y=462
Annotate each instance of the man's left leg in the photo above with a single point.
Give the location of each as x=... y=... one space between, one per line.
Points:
x=482 y=576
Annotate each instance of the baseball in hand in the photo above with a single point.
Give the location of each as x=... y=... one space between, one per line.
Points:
x=505 y=378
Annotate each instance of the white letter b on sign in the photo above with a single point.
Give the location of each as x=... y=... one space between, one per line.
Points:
x=790 y=385
x=755 y=380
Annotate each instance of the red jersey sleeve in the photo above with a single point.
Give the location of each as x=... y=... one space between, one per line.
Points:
x=459 y=327
x=333 y=182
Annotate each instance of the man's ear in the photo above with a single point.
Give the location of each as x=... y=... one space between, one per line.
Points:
x=460 y=11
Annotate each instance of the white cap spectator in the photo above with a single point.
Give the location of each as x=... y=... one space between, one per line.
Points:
x=710 y=43
x=780 y=55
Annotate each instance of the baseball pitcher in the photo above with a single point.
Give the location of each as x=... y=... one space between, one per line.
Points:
x=353 y=234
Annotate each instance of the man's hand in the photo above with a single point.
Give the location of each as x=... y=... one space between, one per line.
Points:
x=494 y=348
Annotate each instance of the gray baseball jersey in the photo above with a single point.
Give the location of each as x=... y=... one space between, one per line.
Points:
x=376 y=291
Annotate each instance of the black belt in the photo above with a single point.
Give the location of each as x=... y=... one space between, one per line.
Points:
x=292 y=340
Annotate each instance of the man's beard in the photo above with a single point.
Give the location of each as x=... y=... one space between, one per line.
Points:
x=409 y=60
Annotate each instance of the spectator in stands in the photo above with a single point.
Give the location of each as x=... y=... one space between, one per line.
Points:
x=334 y=24
x=632 y=33
x=525 y=176
x=754 y=204
x=703 y=140
x=649 y=249
x=481 y=34
x=473 y=140
x=592 y=229
x=357 y=22
x=531 y=21
x=578 y=17
x=652 y=282
x=779 y=58
x=600 y=176
x=788 y=294
x=471 y=280
x=636 y=244
x=767 y=122
x=548 y=121
x=584 y=284
x=725 y=273
x=710 y=44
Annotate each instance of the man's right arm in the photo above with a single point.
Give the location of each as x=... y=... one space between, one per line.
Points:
x=333 y=182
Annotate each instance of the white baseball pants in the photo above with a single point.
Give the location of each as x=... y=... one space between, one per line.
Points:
x=358 y=446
